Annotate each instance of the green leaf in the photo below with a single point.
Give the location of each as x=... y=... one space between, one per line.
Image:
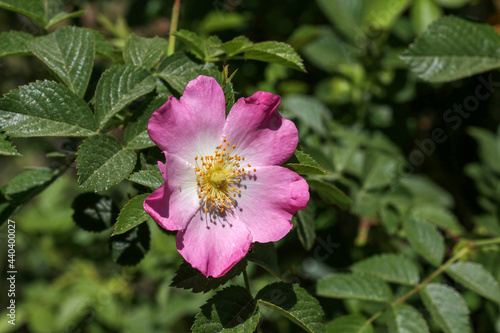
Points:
x=6 y=147
x=378 y=171
x=129 y=248
x=447 y=308
x=34 y=9
x=149 y=178
x=103 y=162
x=423 y=13
x=381 y=14
x=390 y=268
x=347 y=16
x=475 y=277
x=438 y=216
x=195 y=43
x=236 y=45
x=103 y=47
x=178 y=69
x=14 y=43
x=275 y=52
x=425 y=240
x=136 y=133
x=94 y=212
x=304 y=164
x=45 y=12
x=489 y=149
x=425 y=191
x=45 y=108
x=295 y=303
x=69 y=53
x=61 y=16
x=330 y=193
x=306 y=229
x=29 y=184
x=264 y=255
x=404 y=318
x=23 y=188
x=308 y=109
x=213 y=46
x=349 y=324
x=329 y=52
x=453 y=48
x=390 y=218
x=131 y=215
x=145 y=52
x=354 y=286
x=231 y=310
x=367 y=203
x=119 y=86
x=187 y=277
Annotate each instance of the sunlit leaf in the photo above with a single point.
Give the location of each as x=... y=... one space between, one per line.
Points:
x=131 y=215
x=45 y=108
x=69 y=53
x=14 y=43
x=103 y=162
x=119 y=86
x=453 y=48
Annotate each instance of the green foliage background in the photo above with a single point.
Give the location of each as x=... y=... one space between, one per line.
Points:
x=398 y=118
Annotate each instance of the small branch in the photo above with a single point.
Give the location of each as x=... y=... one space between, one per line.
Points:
x=173 y=27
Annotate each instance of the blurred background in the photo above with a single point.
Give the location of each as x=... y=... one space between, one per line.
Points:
x=357 y=106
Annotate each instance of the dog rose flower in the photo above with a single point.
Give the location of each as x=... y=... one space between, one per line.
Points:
x=224 y=188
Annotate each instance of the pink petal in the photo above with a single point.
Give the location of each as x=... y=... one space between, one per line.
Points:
x=175 y=203
x=268 y=200
x=259 y=132
x=214 y=246
x=192 y=125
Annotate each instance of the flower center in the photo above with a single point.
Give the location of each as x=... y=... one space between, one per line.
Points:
x=219 y=178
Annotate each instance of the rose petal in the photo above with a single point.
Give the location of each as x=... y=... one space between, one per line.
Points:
x=192 y=125
x=268 y=200
x=174 y=204
x=214 y=246
x=259 y=132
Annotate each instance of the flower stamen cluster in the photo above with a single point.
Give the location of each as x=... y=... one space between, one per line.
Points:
x=219 y=176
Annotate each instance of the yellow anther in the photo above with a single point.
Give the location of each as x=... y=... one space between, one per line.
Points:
x=206 y=210
x=254 y=170
x=225 y=139
x=249 y=165
x=234 y=146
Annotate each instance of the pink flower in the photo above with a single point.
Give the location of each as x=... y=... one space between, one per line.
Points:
x=224 y=188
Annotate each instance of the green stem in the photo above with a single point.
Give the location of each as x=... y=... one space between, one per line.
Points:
x=173 y=27
x=486 y=242
x=247 y=283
